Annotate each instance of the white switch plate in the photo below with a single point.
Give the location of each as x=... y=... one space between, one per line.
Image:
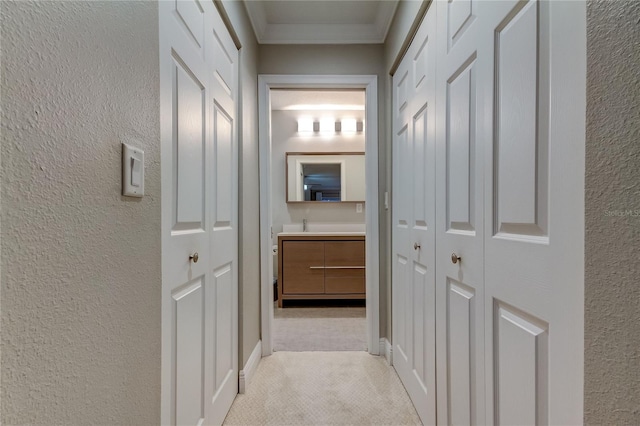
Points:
x=359 y=208
x=132 y=171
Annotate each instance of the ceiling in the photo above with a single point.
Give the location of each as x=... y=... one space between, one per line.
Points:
x=321 y=21
x=317 y=100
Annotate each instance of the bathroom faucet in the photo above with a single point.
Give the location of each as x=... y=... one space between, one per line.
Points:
x=304 y=225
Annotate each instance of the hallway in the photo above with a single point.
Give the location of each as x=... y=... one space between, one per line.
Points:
x=518 y=257
x=323 y=388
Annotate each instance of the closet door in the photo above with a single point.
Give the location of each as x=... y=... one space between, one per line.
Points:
x=221 y=368
x=534 y=214
x=463 y=62
x=198 y=89
x=413 y=279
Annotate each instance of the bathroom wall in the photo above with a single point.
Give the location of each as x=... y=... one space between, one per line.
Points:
x=285 y=138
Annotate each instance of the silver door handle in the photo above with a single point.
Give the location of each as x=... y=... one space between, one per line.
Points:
x=455 y=258
x=194 y=257
x=416 y=246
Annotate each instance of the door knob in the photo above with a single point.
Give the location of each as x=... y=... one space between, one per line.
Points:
x=416 y=246
x=194 y=257
x=455 y=258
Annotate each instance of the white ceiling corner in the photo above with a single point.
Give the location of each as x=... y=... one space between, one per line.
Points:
x=257 y=16
x=321 y=21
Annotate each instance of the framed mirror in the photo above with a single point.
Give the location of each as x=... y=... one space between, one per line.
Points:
x=335 y=177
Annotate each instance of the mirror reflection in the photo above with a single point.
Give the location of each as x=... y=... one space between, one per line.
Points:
x=325 y=177
x=321 y=182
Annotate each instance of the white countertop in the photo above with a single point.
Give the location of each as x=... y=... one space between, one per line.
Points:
x=324 y=234
x=324 y=228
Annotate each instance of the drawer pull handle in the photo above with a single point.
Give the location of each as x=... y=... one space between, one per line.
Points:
x=336 y=267
x=344 y=267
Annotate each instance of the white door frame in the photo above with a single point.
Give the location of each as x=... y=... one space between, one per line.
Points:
x=370 y=84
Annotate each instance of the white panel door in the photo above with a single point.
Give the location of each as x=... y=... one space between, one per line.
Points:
x=462 y=63
x=534 y=214
x=199 y=306
x=509 y=228
x=224 y=222
x=414 y=221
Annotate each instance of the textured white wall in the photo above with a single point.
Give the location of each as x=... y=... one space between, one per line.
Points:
x=80 y=263
x=612 y=276
x=249 y=184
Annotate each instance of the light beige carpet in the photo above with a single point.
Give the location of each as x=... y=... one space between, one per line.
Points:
x=320 y=329
x=323 y=388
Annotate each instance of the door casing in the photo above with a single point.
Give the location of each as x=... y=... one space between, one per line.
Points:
x=370 y=84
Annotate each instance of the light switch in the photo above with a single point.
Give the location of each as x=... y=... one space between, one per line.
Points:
x=136 y=173
x=132 y=171
x=358 y=208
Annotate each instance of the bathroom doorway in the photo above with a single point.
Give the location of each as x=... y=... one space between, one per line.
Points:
x=319 y=236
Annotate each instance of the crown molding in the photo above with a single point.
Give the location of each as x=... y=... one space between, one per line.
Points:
x=292 y=33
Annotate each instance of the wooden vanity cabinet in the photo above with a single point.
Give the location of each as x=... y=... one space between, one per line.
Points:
x=321 y=267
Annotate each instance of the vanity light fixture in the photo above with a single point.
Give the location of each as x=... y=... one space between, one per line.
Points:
x=348 y=125
x=305 y=125
x=328 y=125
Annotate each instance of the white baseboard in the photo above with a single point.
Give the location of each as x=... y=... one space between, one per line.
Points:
x=246 y=374
x=387 y=350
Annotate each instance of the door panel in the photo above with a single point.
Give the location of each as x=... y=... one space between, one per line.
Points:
x=199 y=213
x=189 y=112
x=521 y=354
x=460 y=286
x=222 y=58
x=224 y=316
x=192 y=15
x=461 y=353
x=401 y=331
x=535 y=257
x=413 y=220
x=460 y=16
x=520 y=161
x=189 y=338
x=223 y=157
x=461 y=149
x=424 y=331
x=422 y=176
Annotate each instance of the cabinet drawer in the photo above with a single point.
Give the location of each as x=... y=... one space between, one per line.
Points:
x=342 y=285
x=344 y=271
x=344 y=253
x=302 y=267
